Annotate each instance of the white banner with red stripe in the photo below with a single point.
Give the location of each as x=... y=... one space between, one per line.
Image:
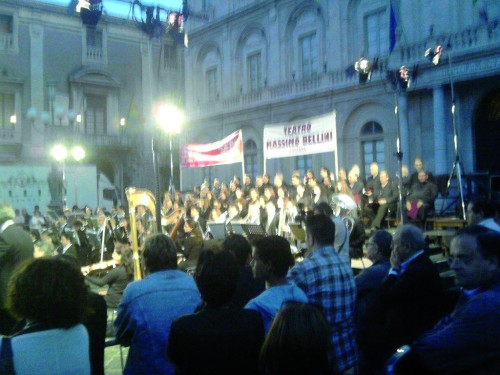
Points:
x=226 y=151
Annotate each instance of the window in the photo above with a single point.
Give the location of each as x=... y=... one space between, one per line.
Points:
x=376 y=34
x=251 y=158
x=169 y=57
x=207 y=5
x=372 y=136
x=96 y=114
x=7 y=109
x=308 y=49
x=211 y=79
x=6 y=32
x=254 y=64
x=303 y=163
x=94 y=44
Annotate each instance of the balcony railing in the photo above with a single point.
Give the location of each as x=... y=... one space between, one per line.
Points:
x=6 y=41
x=459 y=43
x=69 y=134
x=10 y=135
x=94 y=54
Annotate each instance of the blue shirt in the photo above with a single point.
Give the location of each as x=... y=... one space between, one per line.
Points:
x=269 y=302
x=145 y=314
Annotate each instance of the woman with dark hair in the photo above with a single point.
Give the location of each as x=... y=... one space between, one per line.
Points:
x=51 y=296
x=221 y=339
x=297 y=343
x=118 y=277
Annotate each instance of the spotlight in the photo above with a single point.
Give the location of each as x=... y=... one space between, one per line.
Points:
x=402 y=78
x=434 y=55
x=364 y=69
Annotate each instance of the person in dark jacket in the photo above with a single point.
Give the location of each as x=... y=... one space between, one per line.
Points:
x=420 y=200
x=221 y=339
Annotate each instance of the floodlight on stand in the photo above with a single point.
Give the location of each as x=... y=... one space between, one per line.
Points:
x=13 y=119
x=434 y=54
x=364 y=69
x=404 y=78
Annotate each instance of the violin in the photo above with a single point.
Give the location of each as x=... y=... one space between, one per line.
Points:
x=98 y=266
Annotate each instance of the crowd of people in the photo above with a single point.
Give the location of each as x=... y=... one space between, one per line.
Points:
x=234 y=307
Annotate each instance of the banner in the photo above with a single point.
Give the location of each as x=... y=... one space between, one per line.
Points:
x=227 y=151
x=303 y=137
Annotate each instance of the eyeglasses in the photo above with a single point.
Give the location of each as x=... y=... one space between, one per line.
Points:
x=460 y=259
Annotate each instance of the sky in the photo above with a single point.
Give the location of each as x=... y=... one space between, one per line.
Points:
x=121 y=8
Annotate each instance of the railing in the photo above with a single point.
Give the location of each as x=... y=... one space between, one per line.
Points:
x=459 y=42
x=94 y=53
x=89 y=139
x=6 y=41
x=10 y=135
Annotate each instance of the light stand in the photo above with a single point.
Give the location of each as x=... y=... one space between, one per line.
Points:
x=399 y=156
x=171 y=187
x=156 y=166
x=457 y=167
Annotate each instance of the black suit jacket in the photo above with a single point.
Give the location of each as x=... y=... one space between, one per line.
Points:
x=216 y=341
x=15 y=247
x=412 y=302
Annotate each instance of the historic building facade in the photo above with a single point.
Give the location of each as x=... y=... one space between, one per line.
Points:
x=64 y=81
x=252 y=63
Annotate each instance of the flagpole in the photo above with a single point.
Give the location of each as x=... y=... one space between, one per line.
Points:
x=336 y=152
x=242 y=158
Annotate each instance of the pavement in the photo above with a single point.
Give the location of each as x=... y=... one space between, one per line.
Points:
x=112 y=360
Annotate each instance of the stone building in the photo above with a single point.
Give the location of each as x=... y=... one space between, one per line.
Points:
x=252 y=63
x=64 y=81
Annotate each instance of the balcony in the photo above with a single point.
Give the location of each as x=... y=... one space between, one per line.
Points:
x=6 y=41
x=67 y=133
x=10 y=136
x=94 y=54
x=321 y=83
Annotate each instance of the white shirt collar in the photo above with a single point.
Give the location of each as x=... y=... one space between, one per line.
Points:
x=6 y=224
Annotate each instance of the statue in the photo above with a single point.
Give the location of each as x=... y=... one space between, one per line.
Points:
x=55 y=182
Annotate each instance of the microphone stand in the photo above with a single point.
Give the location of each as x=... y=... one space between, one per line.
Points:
x=399 y=155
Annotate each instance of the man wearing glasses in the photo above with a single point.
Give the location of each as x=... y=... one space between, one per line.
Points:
x=468 y=340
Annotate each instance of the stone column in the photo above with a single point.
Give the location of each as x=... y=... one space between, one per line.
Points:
x=439 y=118
x=37 y=88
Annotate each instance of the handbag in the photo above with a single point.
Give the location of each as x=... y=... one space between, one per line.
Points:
x=6 y=358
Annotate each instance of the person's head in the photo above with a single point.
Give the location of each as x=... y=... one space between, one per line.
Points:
x=342 y=174
x=41 y=249
x=478 y=210
x=259 y=181
x=238 y=193
x=232 y=210
x=324 y=172
x=384 y=178
x=270 y=208
x=123 y=255
x=475 y=256
x=374 y=169
x=323 y=208
x=254 y=194
x=6 y=212
x=404 y=170
x=356 y=170
x=418 y=164
x=352 y=177
x=216 y=183
x=216 y=276
x=295 y=180
x=195 y=212
x=49 y=291
x=160 y=253
x=378 y=246
x=265 y=178
x=66 y=238
x=300 y=189
x=248 y=179
x=407 y=240
x=320 y=231
x=298 y=342
x=422 y=176
x=240 y=247
x=272 y=258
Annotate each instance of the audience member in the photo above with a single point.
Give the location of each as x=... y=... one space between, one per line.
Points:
x=467 y=341
x=150 y=305
x=271 y=261
x=370 y=316
x=219 y=339
x=411 y=293
x=341 y=243
x=328 y=281
x=15 y=247
x=298 y=342
x=247 y=287
x=482 y=212
x=51 y=296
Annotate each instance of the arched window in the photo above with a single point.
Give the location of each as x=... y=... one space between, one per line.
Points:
x=250 y=152
x=372 y=144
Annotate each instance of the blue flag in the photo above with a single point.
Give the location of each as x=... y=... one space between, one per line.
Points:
x=392 y=29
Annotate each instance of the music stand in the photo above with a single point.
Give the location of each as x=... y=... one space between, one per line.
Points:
x=218 y=230
x=237 y=228
x=298 y=233
x=253 y=232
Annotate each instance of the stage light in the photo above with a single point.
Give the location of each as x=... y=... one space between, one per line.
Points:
x=364 y=69
x=434 y=54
